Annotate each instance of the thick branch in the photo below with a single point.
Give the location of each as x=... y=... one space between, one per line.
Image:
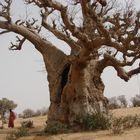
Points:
x=43 y=46
x=19 y=29
x=84 y=6
x=3 y=32
x=35 y=39
x=112 y=61
x=133 y=72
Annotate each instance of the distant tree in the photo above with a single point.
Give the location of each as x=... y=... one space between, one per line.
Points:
x=44 y=111
x=37 y=113
x=5 y=105
x=135 y=101
x=20 y=115
x=122 y=100
x=113 y=103
x=27 y=113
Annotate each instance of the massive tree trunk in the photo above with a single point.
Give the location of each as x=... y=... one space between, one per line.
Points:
x=76 y=89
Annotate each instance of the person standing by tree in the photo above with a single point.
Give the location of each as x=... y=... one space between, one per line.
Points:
x=5 y=105
x=12 y=117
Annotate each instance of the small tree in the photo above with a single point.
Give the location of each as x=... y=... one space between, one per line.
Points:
x=135 y=101
x=44 y=111
x=5 y=105
x=37 y=113
x=122 y=100
x=27 y=113
x=113 y=103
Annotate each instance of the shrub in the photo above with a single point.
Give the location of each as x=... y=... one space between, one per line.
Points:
x=14 y=135
x=27 y=113
x=116 y=126
x=21 y=132
x=135 y=101
x=44 y=111
x=113 y=103
x=122 y=100
x=119 y=124
x=55 y=128
x=27 y=124
x=94 y=121
x=37 y=113
x=11 y=136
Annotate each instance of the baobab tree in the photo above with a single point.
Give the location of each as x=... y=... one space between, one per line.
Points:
x=98 y=36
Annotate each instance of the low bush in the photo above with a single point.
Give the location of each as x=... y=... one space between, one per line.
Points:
x=135 y=101
x=118 y=125
x=55 y=128
x=11 y=136
x=94 y=121
x=20 y=132
x=27 y=124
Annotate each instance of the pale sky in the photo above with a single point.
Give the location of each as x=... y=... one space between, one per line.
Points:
x=23 y=79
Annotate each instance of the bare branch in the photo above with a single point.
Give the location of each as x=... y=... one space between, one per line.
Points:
x=60 y=35
x=112 y=61
x=109 y=7
x=66 y=20
x=5 y=10
x=18 y=45
x=3 y=32
x=133 y=72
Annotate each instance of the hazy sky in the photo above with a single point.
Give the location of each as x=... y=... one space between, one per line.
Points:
x=23 y=79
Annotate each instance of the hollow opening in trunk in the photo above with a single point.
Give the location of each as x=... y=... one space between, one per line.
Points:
x=64 y=79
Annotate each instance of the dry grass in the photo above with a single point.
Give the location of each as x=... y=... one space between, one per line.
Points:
x=39 y=123
x=126 y=111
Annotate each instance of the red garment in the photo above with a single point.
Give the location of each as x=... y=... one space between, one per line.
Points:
x=11 y=119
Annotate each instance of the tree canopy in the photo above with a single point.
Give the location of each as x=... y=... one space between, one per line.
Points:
x=85 y=26
x=6 y=104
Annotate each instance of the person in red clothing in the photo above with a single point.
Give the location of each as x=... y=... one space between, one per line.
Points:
x=12 y=117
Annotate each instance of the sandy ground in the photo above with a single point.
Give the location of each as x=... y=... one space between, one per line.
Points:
x=133 y=134
x=39 y=123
